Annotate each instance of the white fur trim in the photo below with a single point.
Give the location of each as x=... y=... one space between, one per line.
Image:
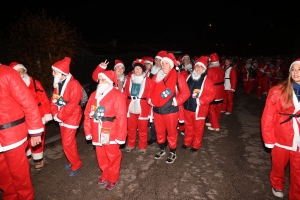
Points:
x=56 y=69
x=108 y=79
x=295 y=62
x=201 y=64
x=48 y=117
x=119 y=64
x=119 y=141
x=168 y=60
x=19 y=66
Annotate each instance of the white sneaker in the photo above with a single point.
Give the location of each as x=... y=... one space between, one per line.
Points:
x=227 y=113
x=277 y=193
x=208 y=124
x=213 y=129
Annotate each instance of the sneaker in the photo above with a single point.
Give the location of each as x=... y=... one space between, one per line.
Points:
x=142 y=151
x=128 y=149
x=171 y=158
x=227 y=113
x=111 y=185
x=213 y=129
x=39 y=165
x=184 y=146
x=160 y=154
x=182 y=133
x=74 y=172
x=67 y=166
x=277 y=193
x=101 y=181
x=208 y=124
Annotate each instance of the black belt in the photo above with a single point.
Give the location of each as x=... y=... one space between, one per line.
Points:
x=12 y=124
x=110 y=119
x=227 y=78
x=289 y=118
x=134 y=98
x=219 y=83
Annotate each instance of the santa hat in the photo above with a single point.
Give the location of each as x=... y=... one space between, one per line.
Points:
x=202 y=61
x=63 y=66
x=148 y=59
x=16 y=66
x=186 y=56
x=119 y=63
x=214 y=59
x=139 y=63
x=170 y=58
x=295 y=62
x=160 y=54
x=110 y=76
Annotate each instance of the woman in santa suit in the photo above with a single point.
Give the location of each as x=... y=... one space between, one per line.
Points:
x=105 y=123
x=137 y=93
x=169 y=91
x=280 y=131
x=203 y=92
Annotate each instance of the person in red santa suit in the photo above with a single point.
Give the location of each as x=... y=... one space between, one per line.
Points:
x=169 y=91
x=280 y=132
x=196 y=107
x=66 y=110
x=148 y=64
x=260 y=72
x=186 y=67
x=216 y=74
x=42 y=100
x=105 y=123
x=266 y=82
x=19 y=117
x=230 y=83
x=137 y=93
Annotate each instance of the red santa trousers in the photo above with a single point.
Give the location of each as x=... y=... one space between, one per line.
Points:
x=227 y=104
x=109 y=160
x=250 y=84
x=194 y=130
x=280 y=159
x=134 y=123
x=214 y=111
x=15 y=174
x=37 y=152
x=164 y=123
x=69 y=144
x=259 y=87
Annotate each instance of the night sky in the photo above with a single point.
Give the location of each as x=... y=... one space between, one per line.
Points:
x=231 y=27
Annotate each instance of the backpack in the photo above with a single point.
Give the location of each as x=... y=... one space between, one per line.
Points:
x=84 y=98
x=252 y=72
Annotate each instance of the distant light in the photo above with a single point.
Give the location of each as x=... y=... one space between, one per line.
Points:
x=216 y=44
x=209 y=25
x=249 y=44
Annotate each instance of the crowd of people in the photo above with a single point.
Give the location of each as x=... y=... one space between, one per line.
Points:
x=190 y=93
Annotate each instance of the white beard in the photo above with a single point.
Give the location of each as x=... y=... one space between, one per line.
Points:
x=121 y=78
x=26 y=79
x=56 y=80
x=188 y=66
x=101 y=88
x=160 y=76
x=195 y=75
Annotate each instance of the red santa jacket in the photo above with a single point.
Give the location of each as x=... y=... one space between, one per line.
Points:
x=285 y=135
x=41 y=99
x=70 y=114
x=216 y=75
x=16 y=103
x=230 y=77
x=143 y=97
x=205 y=97
x=115 y=106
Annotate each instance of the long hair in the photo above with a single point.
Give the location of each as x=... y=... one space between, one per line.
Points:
x=286 y=87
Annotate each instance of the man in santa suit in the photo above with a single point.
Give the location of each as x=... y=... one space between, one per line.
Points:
x=105 y=123
x=186 y=67
x=42 y=100
x=19 y=117
x=216 y=74
x=230 y=84
x=203 y=92
x=137 y=93
x=66 y=110
x=169 y=91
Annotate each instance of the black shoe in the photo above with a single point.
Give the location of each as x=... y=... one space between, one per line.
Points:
x=193 y=150
x=151 y=141
x=183 y=146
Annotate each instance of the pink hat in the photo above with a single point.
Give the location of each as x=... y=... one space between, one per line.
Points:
x=109 y=75
x=118 y=63
x=295 y=62
x=63 y=66
x=214 y=59
x=160 y=54
x=16 y=66
x=202 y=61
x=169 y=57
